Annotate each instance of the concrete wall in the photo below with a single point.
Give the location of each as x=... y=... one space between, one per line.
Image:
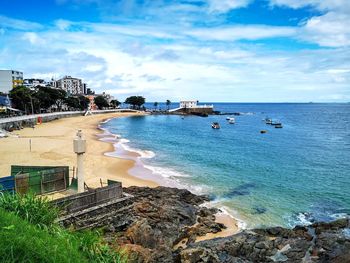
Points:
x=199 y=110
x=79 y=202
x=31 y=120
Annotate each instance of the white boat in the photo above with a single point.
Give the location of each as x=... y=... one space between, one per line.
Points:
x=215 y=125
x=231 y=121
x=268 y=121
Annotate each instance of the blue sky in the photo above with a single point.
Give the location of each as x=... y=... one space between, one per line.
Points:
x=210 y=50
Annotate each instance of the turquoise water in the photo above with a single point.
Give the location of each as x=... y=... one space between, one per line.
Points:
x=295 y=175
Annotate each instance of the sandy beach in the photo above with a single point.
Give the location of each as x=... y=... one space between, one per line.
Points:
x=52 y=144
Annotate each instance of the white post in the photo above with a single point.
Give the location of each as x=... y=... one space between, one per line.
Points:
x=79 y=145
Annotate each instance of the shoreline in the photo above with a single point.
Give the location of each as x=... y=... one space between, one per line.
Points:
x=234 y=225
x=52 y=145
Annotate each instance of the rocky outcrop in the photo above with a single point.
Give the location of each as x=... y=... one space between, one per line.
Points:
x=162 y=217
x=320 y=242
x=161 y=225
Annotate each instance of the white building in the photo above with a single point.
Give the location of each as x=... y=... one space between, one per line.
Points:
x=193 y=104
x=72 y=86
x=32 y=83
x=188 y=104
x=10 y=79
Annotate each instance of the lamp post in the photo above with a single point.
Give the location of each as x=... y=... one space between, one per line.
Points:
x=79 y=145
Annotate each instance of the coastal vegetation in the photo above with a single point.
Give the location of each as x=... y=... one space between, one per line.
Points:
x=29 y=233
x=77 y=103
x=40 y=99
x=115 y=103
x=101 y=102
x=135 y=101
x=155 y=105
x=168 y=103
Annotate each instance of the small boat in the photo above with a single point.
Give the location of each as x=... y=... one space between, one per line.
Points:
x=263 y=131
x=268 y=121
x=274 y=123
x=228 y=118
x=215 y=125
x=231 y=120
x=278 y=125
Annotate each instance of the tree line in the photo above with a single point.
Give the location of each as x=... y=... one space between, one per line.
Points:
x=41 y=99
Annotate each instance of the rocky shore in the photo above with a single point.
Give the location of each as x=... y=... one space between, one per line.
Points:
x=161 y=225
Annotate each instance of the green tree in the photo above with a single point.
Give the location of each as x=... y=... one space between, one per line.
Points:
x=45 y=97
x=21 y=98
x=60 y=95
x=135 y=101
x=72 y=103
x=168 y=103
x=155 y=105
x=101 y=102
x=83 y=102
x=77 y=103
x=115 y=103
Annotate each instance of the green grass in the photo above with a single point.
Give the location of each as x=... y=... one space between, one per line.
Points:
x=36 y=210
x=21 y=241
x=28 y=233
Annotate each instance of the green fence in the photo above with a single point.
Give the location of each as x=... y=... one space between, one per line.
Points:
x=40 y=179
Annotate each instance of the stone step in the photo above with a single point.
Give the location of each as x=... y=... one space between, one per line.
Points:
x=100 y=220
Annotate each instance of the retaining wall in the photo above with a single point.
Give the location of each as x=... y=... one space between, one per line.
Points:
x=19 y=122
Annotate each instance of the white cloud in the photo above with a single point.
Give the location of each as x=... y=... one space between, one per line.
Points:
x=233 y=33
x=129 y=59
x=223 y=6
x=63 y=24
x=323 y=5
x=7 y=22
x=329 y=30
x=33 y=38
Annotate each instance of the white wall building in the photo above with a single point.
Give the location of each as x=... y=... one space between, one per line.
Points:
x=188 y=104
x=32 y=83
x=72 y=86
x=10 y=79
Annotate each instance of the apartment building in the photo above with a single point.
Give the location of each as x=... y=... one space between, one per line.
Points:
x=9 y=79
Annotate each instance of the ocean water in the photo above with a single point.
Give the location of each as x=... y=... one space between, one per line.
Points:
x=295 y=175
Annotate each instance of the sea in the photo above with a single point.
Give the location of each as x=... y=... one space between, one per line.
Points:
x=296 y=175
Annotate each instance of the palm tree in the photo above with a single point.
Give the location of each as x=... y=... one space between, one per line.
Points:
x=168 y=103
x=155 y=105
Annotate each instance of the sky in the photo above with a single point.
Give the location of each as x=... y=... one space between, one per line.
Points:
x=206 y=50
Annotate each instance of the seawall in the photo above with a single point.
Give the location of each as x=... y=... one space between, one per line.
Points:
x=19 y=122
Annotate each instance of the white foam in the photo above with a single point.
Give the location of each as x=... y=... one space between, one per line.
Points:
x=105 y=121
x=302 y=219
x=123 y=141
x=228 y=212
x=165 y=172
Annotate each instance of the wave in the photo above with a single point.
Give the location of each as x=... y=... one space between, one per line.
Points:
x=105 y=121
x=144 y=154
x=307 y=218
x=166 y=172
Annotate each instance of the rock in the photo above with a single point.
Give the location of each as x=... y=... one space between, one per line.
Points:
x=160 y=218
